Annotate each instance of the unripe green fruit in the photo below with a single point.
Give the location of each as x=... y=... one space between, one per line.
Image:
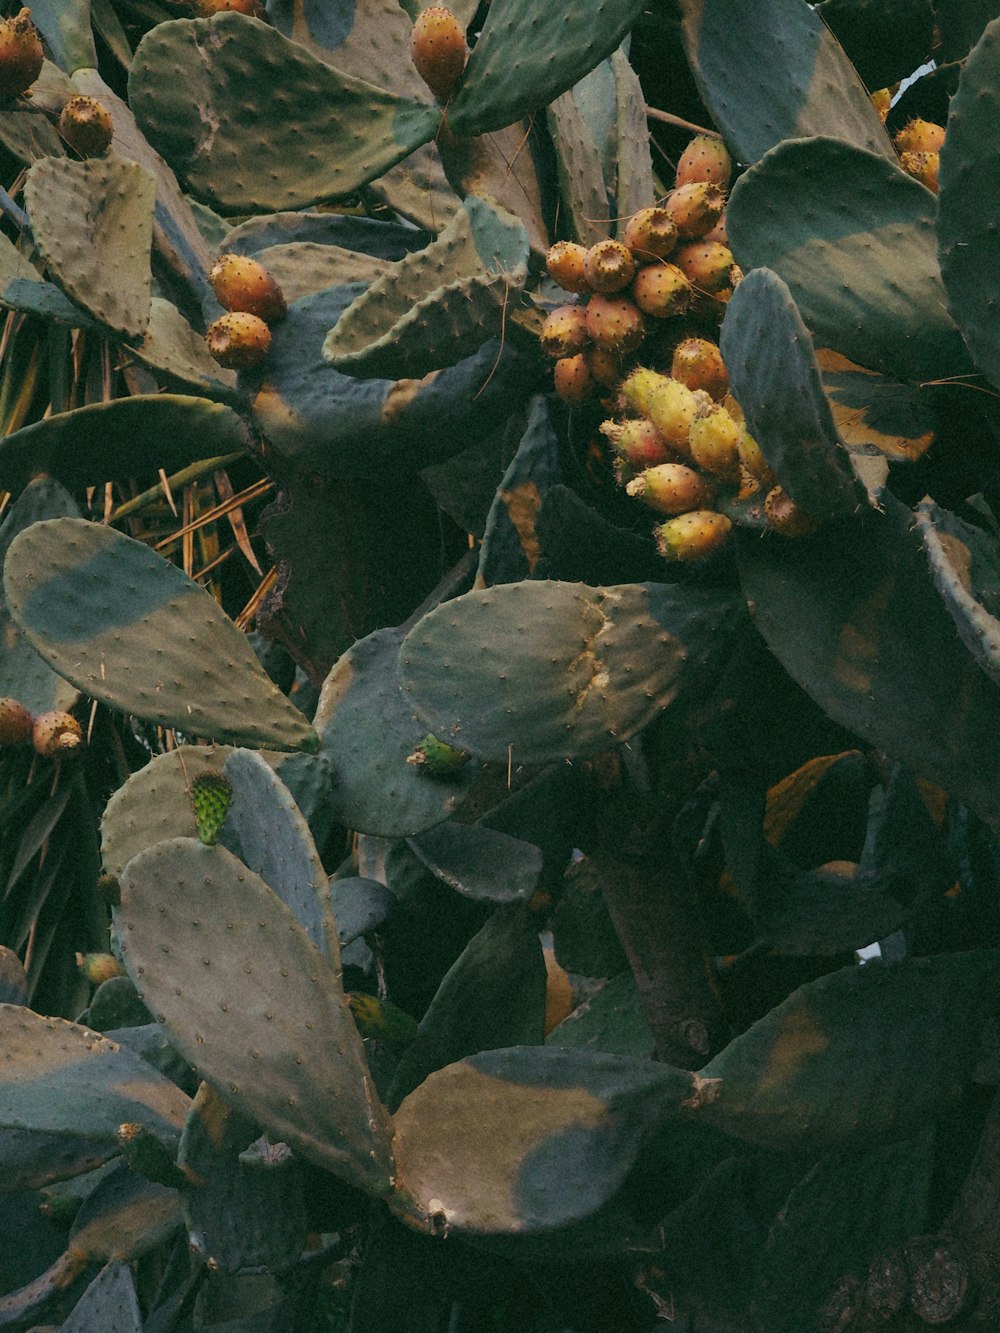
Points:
x=637 y=443
x=706 y=264
x=692 y=536
x=785 y=516
x=661 y=290
x=564 y=331
x=242 y=283
x=85 y=124
x=672 y=408
x=698 y=363
x=572 y=379
x=438 y=50
x=439 y=760
x=615 y=324
x=15 y=722
x=671 y=488
x=650 y=234
x=638 y=387
x=98 y=967
x=919 y=136
x=695 y=208
x=238 y=341
x=55 y=734
x=565 y=266
x=21 y=54
x=923 y=167
x=705 y=159
x=609 y=266
x=714 y=443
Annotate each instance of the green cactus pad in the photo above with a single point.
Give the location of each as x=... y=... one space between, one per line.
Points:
x=479 y=862
x=511 y=549
x=63 y=1093
x=853 y=616
x=521 y=1141
x=634 y=175
x=613 y=1020
x=303 y=267
x=121 y=438
x=171 y=346
x=526 y=55
x=969 y=181
x=875 y=413
x=67 y=32
x=126 y=627
x=110 y=1302
x=22 y=287
x=211 y=796
x=368 y=236
x=965 y=564
x=93 y=225
x=124 y=1217
x=367 y=730
x=257 y=90
x=248 y=998
x=359 y=905
x=853 y=237
x=23 y=674
x=543 y=671
x=865 y=1054
x=438 y=305
x=774 y=377
x=578 y=162
x=775 y=71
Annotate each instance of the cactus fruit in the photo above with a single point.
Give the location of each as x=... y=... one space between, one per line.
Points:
x=922 y=167
x=615 y=324
x=714 y=443
x=671 y=488
x=919 y=136
x=211 y=795
x=438 y=50
x=252 y=8
x=55 y=734
x=650 y=234
x=565 y=266
x=785 y=516
x=572 y=379
x=606 y=367
x=661 y=290
x=609 y=266
x=753 y=460
x=15 y=722
x=882 y=101
x=85 y=124
x=707 y=265
x=238 y=341
x=241 y=283
x=705 y=159
x=637 y=443
x=692 y=536
x=672 y=408
x=564 y=331
x=21 y=54
x=695 y=208
x=638 y=387
x=698 y=363
x=437 y=759
x=98 y=967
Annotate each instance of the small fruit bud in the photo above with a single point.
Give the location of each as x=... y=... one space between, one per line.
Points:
x=564 y=331
x=692 y=536
x=21 y=54
x=672 y=408
x=85 y=124
x=438 y=50
x=637 y=443
x=671 y=488
x=238 y=341
x=698 y=363
x=98 y=967
x=919 y=136
x=882 y=101
x=565 y=266
x=661 y=290
x=609 y=266
x=923 y=167
x=706 y=264
x=55 y=734
x=650 y=234
x=695 y=208
x=705 y=159
x=15 y=722
x=572 y=379
x=437 y=759
x=615 y=324
x=713 y=440
x=785 y=516
x=211 y=796
x=242 y=283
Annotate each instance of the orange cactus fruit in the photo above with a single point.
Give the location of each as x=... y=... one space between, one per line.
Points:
x=565 y=266
x=242 y=283
x=615 y=324
x=21 y=54
x=661 y=290
x=238 y=340
x=671 y=488
x=695 y=208
x=650 y=234
x=564 y=331
x=692 y=536
x=705 y=159
x=698 y=363
x=438 y=50
x=919 y=136
x=85 y=124
x=609 y=266
x=573 y=381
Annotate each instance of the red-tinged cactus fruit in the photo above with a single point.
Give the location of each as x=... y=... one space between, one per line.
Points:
x=695 y=208
x=615 y=324
x=922 y=167
x=572 y=379
x=672 y=408
x=753 y=460
x=21 y=54
x=650 y=234
x=919 y=136
x=671 y=488
x=85 y=124
x=55 y=734
x=98 y=967
x=609 y=266
x=698 y=363
x=15 y=722
x=785 y=516
x=718 y=233
x=637 y=388
x=564 y=331
x=565 y=266
x=252 y=8
x=661 y=290
x=606 y=367
x=242 y=283
x=238 y=341
x=704 y=159
x=637 y=443
x=438 y=50
x=692 y=536
x=707 y=265
x=714 y=443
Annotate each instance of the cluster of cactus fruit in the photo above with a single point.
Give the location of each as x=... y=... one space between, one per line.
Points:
x=478 y=945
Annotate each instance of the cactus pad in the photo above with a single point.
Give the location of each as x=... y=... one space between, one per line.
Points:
x=211 y=796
